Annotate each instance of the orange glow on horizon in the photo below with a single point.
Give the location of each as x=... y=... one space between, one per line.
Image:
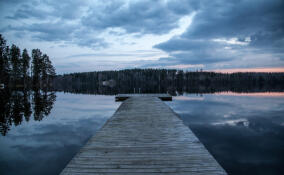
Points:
x=272 y=69
x=256 y=94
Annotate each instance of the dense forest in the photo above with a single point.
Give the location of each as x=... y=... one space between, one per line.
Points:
x=20 y=70
x=167 y=81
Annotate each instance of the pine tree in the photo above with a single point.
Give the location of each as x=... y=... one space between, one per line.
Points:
x=26 y=64
x=44 y=69
x=36 y=66
x=4 y=61
x=15 y=57
x=50 y=70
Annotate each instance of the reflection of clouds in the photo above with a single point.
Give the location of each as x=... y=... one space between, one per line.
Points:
x=228 y=110
x=230 y=114
x=207 y=110
x=47 y=142
x=221 y=108
x=57 y=134
x=251 y=104
x=85 y=102
x=237 y=122
x=55 y=139
x=188 y=98
x=239 y=131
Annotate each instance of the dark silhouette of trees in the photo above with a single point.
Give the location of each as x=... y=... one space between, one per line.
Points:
x=36 y=68
x=15 y=67
x=4 y=61
x=26 y=65
x=47 y=70
x=163 y=81
x=43 y=70
x=15 y=57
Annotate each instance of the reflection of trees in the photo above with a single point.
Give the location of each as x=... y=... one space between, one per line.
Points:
x=43 y=103
x=16 y=106
x=5 y=111
x=27 y=105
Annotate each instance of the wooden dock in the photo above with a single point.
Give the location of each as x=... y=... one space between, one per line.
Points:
x=164 y=97
x=144 y=136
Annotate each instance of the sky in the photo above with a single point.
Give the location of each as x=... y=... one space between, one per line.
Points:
x=90 y=35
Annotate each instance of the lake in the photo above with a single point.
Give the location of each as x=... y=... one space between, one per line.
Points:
x=41 y=132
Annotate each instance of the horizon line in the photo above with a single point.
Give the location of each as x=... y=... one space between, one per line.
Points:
x=254 y=70
x=230 y=70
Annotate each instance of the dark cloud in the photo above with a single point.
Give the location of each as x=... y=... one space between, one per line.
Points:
x=184 y=44
x=56 y=31
x=94 y=43
x=155 y=17
x=241 y=27
x=199 y=57
x=79 y=21
x=187 y=57
x=47 y=9
x=255 y=25
x=197 y=51
x=182 y=7
x=238 y=19
x=27 y=11
x=66 y=9
x=50 y=21
x=10 y=1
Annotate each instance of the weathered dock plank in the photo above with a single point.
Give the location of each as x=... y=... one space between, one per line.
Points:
x=144 y=136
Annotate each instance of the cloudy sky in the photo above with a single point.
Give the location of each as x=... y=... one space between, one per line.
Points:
x=89 y=35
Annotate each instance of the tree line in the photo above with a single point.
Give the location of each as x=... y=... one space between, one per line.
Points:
x=19 y=69
x=167 y=81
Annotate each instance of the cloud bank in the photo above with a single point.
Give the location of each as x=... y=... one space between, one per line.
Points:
x=222 y=34
x=229 y=32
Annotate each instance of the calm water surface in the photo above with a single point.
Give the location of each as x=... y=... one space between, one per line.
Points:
x=244 y=133
x=46 y=146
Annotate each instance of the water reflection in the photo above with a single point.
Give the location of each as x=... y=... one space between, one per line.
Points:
x=244 y=133
x=46 y=147
x=16 y=106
